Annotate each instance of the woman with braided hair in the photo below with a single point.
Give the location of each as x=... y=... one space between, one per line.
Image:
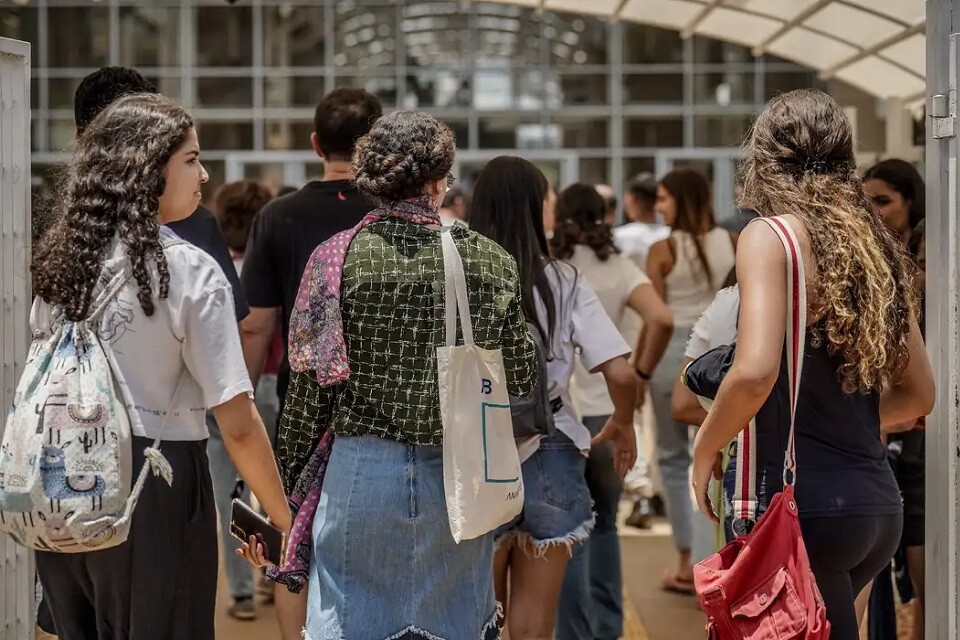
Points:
x=865 y=363
x=172 y=332
x=384 y=563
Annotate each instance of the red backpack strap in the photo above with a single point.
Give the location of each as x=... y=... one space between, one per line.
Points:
x=795 y=334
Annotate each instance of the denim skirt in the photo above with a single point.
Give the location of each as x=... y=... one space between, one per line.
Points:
x=385 y=565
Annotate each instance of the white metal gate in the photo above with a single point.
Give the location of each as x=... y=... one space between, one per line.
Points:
x=16 y=563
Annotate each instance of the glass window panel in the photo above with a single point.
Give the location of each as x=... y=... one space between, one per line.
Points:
x=443 y=88
x=61 y=92
x=20 y=23
x=594 y=171
x=654 y=132
x=496 y=89
x=224 y=92
x=288 y=135
x=583 y=133
x=635 y=166
x=574 y=40
x=384 y=87
x=720 y=131
x=461 y=132
x=81 y=36
x=227 y=35
x=63 y=133
x=34 y=93
x=653 y=88
x=644 y=44
x=217 y=172
x=268 y=172
x=434 y=31
x=150 y=36
x=293 y=36
x=168 y=85
x=507 y=33
x=224 y=135
x=716 y=51
x=505 y=132
x=35 y=143
x=568 y=89
x=781 y=82
x=723 y=88
x=365 y=36
x=293 y=91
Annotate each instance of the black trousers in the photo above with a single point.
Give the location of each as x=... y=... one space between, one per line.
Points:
x=159 y=585
x=846 y=553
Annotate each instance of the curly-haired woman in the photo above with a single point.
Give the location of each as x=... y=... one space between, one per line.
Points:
x=172 y=326
x=865 y=363
x=591 y=604
x=384 y=562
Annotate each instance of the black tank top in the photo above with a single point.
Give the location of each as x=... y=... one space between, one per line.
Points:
x=842 y=465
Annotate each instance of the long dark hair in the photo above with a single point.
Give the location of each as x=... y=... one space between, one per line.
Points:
x=691 y=192
x=112 y=189
x=507 y=207
x=905 y=180
x=580 y=220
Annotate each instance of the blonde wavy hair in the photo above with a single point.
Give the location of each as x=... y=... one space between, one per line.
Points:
x=800 y=161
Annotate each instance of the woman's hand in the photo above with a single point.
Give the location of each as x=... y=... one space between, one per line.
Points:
x=706 y=464
x=624 y=439
x=252 y=552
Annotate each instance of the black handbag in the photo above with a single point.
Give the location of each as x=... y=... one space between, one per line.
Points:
x=533 y=414
x=704 y=375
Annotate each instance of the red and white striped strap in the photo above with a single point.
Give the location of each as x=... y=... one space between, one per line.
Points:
x=745 y=497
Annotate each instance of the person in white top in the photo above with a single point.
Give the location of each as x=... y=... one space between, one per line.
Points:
x=716 y=327
x=591 y=603
x=136 y=167
x=687 y=269
x=642 y=228
x=507 y=207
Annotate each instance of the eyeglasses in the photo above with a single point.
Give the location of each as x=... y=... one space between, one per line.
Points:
x=450 y=181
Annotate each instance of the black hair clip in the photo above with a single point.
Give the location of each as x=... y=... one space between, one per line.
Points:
x=817 y=165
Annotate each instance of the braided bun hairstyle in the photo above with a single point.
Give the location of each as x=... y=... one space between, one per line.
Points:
x=404 y=151
x=580 y=220
x=112 y=189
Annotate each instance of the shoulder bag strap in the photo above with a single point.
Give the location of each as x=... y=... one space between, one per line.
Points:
x=745 y=495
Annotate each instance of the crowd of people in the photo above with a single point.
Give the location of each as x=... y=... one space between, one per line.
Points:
x=284 y=344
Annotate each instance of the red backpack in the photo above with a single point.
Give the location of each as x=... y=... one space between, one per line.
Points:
x=761 y=586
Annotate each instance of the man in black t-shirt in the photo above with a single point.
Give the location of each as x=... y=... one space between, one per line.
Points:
x=284 y=235
x=98 y=91
x=287 y=230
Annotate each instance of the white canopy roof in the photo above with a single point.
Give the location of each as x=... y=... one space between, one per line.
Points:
x=875 y=45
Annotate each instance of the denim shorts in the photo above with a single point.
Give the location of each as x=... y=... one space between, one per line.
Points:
x=557 y=508
x=385 y=564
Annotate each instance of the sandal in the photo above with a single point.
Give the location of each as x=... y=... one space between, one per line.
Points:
x=675 y=584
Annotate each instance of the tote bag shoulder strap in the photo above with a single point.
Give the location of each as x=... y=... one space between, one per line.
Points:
x=745 y=498
x=455 y=291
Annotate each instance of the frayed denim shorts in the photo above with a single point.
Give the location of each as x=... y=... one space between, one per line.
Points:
x=385 y=564
x=557 y=508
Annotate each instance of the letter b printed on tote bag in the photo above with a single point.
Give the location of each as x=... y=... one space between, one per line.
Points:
x=481 y=468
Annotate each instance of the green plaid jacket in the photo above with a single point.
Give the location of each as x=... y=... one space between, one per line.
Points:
x=393 y=321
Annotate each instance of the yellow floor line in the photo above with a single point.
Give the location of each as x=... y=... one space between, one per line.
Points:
x=633 y=628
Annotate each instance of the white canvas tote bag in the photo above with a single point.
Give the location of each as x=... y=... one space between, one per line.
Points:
x=481 y=469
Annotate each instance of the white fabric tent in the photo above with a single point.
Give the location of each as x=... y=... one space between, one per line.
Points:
x=875 y=45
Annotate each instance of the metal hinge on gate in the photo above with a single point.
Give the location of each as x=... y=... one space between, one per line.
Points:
x=943 y=109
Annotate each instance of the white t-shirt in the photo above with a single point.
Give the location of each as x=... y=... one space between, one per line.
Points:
x=634 y=239
x=614 y=281
x=584 y=327
x=688 y=290
x=718 y=324
x=195 y=327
